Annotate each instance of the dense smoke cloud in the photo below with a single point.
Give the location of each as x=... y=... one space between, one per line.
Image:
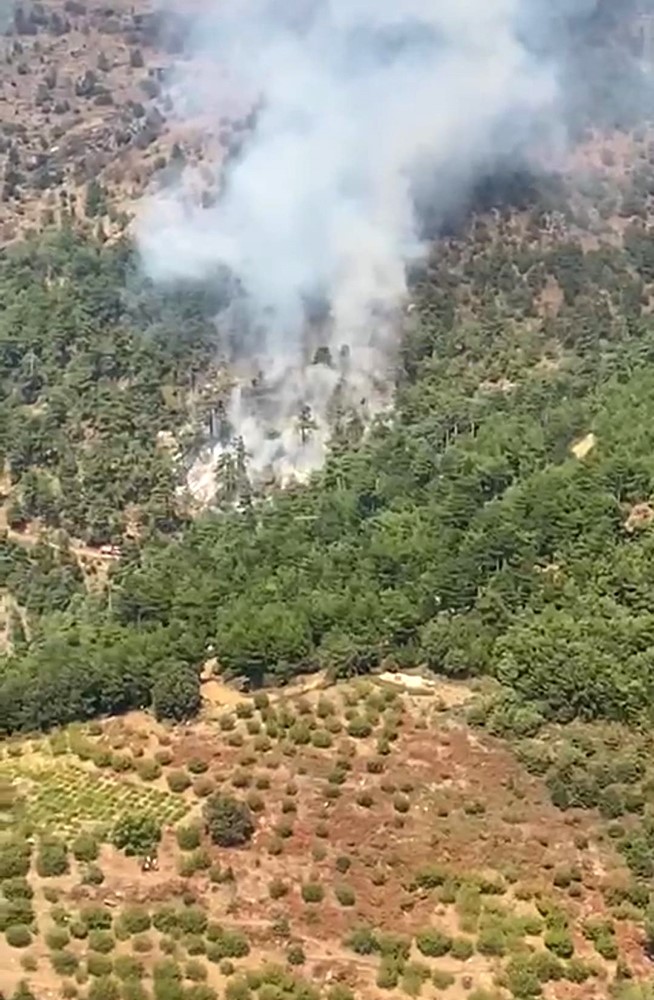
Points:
x=361 y=105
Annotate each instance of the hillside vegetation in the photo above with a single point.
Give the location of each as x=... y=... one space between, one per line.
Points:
x=465 y=531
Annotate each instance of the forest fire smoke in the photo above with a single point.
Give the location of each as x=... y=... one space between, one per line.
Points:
x=363 y=108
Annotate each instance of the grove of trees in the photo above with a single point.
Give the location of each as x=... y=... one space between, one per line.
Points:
x=462 y=531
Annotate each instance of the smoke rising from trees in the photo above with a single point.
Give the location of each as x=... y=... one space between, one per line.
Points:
x=361 y=108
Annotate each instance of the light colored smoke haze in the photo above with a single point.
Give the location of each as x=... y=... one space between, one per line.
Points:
x=363 y=104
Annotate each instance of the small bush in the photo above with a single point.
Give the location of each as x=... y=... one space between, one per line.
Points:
x=101 y=941
x=295 y=955
x=359 y=727
x=284 y=829
x=491 y=940
x=546 y=966
x=18 y=936
x=321 y=739
x=345 y=895
x=188 y=837
x=195 y=970
x=562 y=878
x=433 y=943
x=442 y=980
x=520 y=978
x=16 y=911
x=577 y=971
x=85 y=847
x=559 y=942
x=167 y=969
x=388 y=975
x=14 y=859
x=255 y=802
x=474 y=807
x=92 y=875
x=104 y=988
x=312 y=892
x=101 y=757
x=364 y=799
x=64 y=963
x=462 y=948
x=148 y=769
x=300 y=733
x=142 y=944
x=133 y=989
x=128 y=967
x=230 y=944
x=362 y=940
x=166 y=918
x=277 y=889
x=325 y=708
x=241 y=778
x=121 y=762
x=17 y=888
x=203 y=786
x=57 y=938
x=52 y=858
x=414 y=975
x=607 y=946
x=197 y=766
x=215 y=872
x=178 y=781
x=194 y=944
x=78 y=930
x=401 y=804
x=337 y=776
x=96 y=917
x=186 y=866
x=192 y=920
x=201 y=859
x=531 y=924
x=135 y=920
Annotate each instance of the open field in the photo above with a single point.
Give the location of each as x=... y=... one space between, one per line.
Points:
x=395 y=852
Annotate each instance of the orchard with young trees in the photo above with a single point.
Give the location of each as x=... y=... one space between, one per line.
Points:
x=464 y=533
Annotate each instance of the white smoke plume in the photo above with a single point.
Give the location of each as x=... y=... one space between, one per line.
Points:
x=361 y=104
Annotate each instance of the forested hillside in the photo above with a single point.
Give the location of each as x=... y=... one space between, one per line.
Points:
x=466 y=531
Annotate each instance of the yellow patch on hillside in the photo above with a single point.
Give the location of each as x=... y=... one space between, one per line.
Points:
x=582 y=448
